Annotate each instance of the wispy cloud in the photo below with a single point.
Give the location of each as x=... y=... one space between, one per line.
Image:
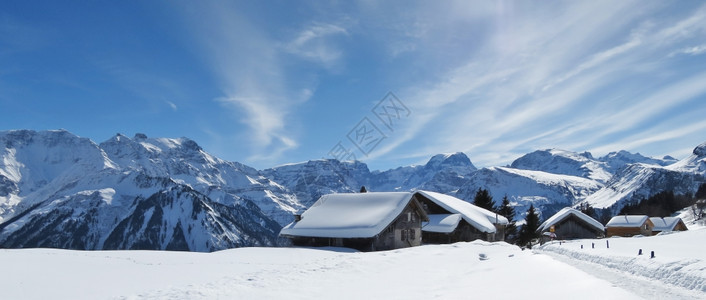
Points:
x=695 y=50
x=171 y=105
x=575 y=78
x=247 y=62
x=313 y=43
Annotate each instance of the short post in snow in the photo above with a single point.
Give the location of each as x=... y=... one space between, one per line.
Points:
x=607 y=245
x=639 y=252
x=652 y=254
x=593 y=245
x=581 y=246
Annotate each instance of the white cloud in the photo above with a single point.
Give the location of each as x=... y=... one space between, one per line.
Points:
x=551 y=79
x=695 y=50
x=246 y=61
x=313 y=43
x=171 y=105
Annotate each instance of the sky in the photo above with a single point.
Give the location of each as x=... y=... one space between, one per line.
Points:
x=387 y=83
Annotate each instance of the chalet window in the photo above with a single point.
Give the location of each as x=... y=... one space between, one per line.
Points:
x=403 y=236
x=412 y=234
x=409 y=216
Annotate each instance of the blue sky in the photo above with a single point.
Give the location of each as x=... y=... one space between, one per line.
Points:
x=389 y=83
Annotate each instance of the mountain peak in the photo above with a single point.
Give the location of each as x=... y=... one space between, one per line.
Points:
x=700 y=150
x=458 y=159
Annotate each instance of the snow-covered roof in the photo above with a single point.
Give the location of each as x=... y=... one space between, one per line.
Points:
x=627 y=221
x=567 y=212
x=480 y=218
x=664 y=224
x=349 y=215
x=442 y=223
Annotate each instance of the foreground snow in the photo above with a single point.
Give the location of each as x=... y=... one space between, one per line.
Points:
x=445 y=272
x=678 y=270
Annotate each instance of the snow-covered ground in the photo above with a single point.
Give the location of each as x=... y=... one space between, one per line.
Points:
x=678 y=270
x=455 y=271
x=441 y=272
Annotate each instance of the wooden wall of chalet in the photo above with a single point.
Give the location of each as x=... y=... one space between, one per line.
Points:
x=573 y=227
x=405 y=231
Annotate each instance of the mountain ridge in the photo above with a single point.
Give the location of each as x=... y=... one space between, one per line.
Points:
x=64 y=191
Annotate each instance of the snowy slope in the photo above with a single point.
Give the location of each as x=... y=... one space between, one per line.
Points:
x=185 y=162
x=312 y=179
x=617 y=160
x=558 y=161
x=546 y=191
x=427 y=272
x=67 y=192
x=640 y=181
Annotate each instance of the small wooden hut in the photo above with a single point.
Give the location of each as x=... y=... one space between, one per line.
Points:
x=629 y=225
x=667 y=224
x=570 y=223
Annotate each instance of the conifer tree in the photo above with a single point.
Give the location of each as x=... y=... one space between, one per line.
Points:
x=484 y=200
x=529 y=230
x=508 y=212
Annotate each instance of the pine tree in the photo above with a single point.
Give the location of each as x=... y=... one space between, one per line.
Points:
x=529 y=230
x=588 y=210
x=484 y=200
x=701 y=192
x=508 y=212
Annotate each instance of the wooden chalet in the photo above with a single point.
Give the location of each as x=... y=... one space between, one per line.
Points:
x=365 y=221
x=570 y=223
x=453 y=220
x=667 y=224
x=629 y=225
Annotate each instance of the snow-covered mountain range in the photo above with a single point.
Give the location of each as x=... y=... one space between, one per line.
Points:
x=63 y=191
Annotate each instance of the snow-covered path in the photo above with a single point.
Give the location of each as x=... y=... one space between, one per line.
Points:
x=438 y=272
x=678 y=270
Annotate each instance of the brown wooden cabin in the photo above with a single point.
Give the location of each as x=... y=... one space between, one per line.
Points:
x=629 y=225
x=570 y=223
x=667 y=224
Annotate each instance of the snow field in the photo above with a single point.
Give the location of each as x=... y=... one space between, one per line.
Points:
x=435 y=271
x=679 y=266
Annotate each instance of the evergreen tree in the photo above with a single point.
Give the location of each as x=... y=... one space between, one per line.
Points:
x=484 y=200
x=588 y=210
x=509 y=212
x=701 y=192
x=529 y=230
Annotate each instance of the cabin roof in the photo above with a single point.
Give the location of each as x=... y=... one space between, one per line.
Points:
x=567 y=212
x=480 y=218
x=350 y=215
x=627 y=221
x=665 y=224
x=443 y=223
